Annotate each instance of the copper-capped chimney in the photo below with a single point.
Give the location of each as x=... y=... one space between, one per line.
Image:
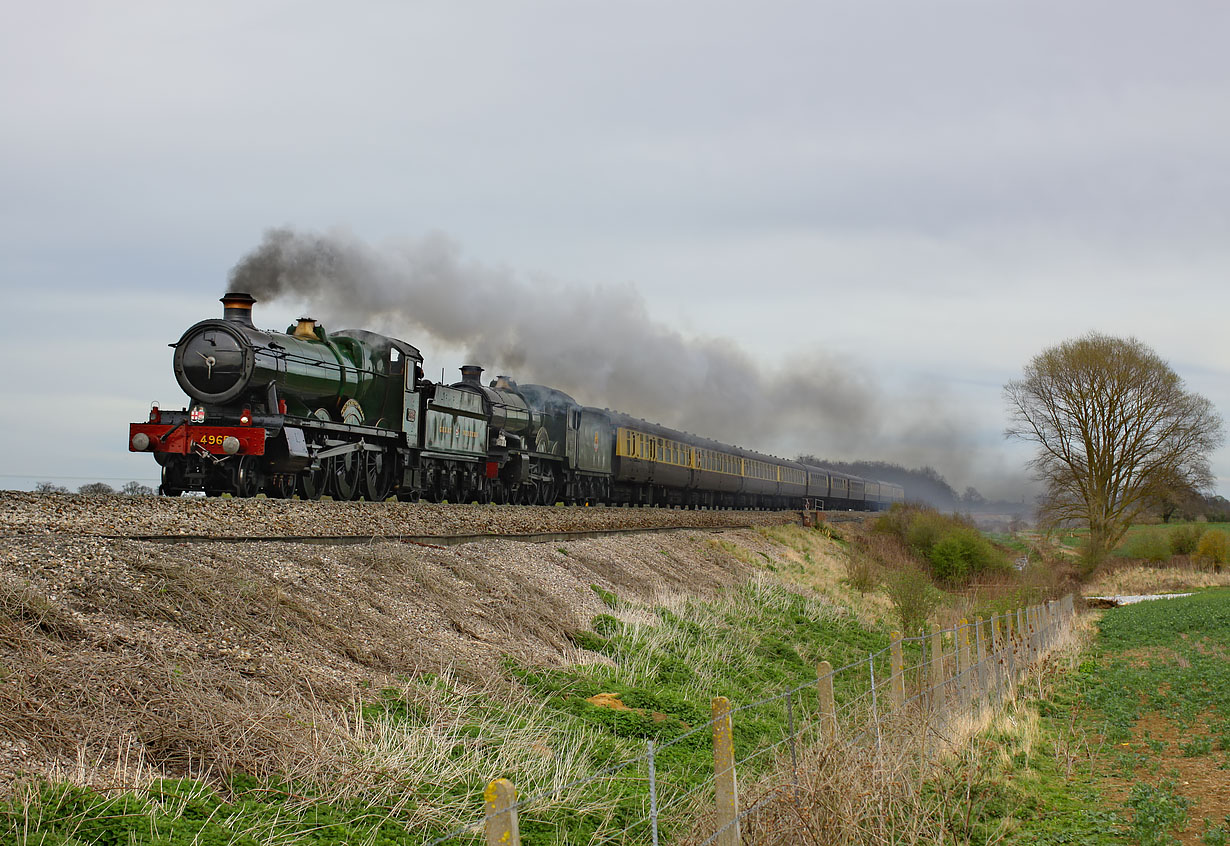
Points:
x=237 y=307
x=470 y=374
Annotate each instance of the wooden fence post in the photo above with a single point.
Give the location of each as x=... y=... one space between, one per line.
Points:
x=828 y=706
x=983 y=675
x=1000 y=632
x=726 y=785
x=1010 y=651
x=501 y=799
x=897 y=680
x=962 y=639
x=937 y=668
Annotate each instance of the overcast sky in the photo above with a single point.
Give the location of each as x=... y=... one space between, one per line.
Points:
x=921 y=194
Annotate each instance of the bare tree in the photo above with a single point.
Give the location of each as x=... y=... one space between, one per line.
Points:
x=95 y=489
x=50 y=487
x=136 y=489
x=1115 y=431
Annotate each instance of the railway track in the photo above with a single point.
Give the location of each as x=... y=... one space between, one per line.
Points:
x=441 y=541
x=437 y=541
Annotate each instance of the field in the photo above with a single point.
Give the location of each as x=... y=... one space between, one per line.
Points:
x=1129 y=743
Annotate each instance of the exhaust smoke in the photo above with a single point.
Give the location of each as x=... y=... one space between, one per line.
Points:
x=598 y=343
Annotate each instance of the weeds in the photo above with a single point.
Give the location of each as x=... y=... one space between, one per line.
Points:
x=1157 y=812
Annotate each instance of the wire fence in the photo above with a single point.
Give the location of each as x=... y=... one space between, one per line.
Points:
x=954 y=674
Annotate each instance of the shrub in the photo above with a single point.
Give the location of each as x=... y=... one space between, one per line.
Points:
x=895 y=521
x=926 y=530
x=1185 y=539
x=1150 y=544
x=962 y=554
x=913 y=596
x=950 y=559
x=861 y=572
x=1214 y=547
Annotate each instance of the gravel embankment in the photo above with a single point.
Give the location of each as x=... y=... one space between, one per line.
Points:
x=235 y=655
x=134 y=516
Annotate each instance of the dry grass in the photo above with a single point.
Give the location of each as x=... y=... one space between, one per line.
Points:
x=813 y=559
x=1132 y=579
x=440 y=736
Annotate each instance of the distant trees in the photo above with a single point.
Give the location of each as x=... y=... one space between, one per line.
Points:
x=96 y=489
x=48 y=487
x=1115 y=432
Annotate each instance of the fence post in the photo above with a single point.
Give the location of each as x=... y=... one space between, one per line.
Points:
x=875 y=705
x=501 y=800
x=653 y=793
x=984 y=674
x=962 y=641
x=794 y=750
x=937 y=668
x=828 y=707
x=1010 y=638
x=897 y=681
x=995 y=656
x=725 y=782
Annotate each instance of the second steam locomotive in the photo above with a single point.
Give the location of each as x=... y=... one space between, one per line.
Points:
x=349 y=414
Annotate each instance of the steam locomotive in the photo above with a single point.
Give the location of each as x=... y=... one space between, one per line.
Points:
x=349 y=414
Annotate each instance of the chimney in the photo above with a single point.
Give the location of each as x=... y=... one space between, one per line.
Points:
x=470 y=374
x=306 y=328
x=237 y=307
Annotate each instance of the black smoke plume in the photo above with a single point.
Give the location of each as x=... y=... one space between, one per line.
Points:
x=597 y=343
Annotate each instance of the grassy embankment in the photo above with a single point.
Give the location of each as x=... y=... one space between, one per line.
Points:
x=411 y=761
